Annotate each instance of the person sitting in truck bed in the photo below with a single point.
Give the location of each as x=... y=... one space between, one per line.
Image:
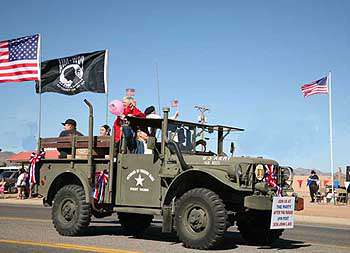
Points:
x=105 y=130
x=136 y=143
x=129 y=110
x=70 y=129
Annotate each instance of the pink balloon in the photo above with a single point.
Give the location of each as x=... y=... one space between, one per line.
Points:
x=116 y=107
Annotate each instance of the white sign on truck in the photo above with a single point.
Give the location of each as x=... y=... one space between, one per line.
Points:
x=282 y=215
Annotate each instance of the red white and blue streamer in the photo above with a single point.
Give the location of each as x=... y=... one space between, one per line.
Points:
x=271 y=179
x=33 y=160
x=100 y=187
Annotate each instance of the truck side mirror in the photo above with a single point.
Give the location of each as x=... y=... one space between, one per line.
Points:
x=151 y=143
x=232 y=148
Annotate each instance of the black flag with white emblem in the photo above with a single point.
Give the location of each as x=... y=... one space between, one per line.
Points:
x=74 y=74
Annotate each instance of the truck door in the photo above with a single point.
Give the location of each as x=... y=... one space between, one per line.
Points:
x=138 y=181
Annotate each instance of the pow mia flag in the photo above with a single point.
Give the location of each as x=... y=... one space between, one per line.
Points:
x=74 y=74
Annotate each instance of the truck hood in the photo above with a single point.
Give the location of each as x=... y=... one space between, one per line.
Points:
x=229 y=164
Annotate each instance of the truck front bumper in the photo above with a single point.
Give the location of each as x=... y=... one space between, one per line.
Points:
x=264 y=203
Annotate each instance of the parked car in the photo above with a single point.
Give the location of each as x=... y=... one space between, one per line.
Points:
x=13 y=169
x=11 y=179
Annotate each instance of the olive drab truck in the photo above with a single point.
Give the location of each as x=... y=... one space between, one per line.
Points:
x=197 y=192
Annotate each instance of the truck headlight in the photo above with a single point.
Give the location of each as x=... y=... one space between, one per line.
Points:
x=287 y=175
x=259 y=172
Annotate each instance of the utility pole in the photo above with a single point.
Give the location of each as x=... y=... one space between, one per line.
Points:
x=202 y=119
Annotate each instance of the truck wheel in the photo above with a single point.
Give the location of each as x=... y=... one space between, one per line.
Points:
x=254 y=227
x=70 y=213
x=200 y=218
x=134 y=223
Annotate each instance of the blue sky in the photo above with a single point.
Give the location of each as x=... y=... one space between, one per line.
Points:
x=246 y=60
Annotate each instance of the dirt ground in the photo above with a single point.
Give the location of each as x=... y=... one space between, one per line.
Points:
x=325 y=210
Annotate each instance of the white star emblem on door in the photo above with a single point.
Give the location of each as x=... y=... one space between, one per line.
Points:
x=139 y=180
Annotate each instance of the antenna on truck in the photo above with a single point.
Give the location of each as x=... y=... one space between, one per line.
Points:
x=156 y=76
x=202 y=119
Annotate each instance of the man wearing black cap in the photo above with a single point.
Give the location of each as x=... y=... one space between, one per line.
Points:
x=70 y=129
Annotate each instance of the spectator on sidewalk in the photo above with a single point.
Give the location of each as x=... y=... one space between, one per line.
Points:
x=2 y=188
x=313 y=183
x=21 y=184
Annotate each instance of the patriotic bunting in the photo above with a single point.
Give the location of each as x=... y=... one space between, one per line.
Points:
x=100 y=187
x=271 y=179
x=33 y=160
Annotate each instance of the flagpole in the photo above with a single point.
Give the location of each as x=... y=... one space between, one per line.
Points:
x=331 y=132
x=40 y=102
x=40 y=106
x=106 y=83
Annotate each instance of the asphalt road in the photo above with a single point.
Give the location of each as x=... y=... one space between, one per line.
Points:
x=29 y=229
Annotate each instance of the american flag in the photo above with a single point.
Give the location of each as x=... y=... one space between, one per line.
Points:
x=175 y=103
x=315 y=87
x=19 y=59
x=130 y=92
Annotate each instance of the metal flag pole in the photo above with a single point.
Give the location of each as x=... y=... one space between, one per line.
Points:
x=40 y=106
x=331 y=132
x=157 y=83
x=39 y=83
x=106 y=83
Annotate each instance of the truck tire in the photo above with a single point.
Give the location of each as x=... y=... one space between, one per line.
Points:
x=200 y=219
x=134 y=223
x=70 y=213
x=254 y=227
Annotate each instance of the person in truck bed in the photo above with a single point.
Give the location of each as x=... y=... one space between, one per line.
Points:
x=105 y=130
x=70 y=129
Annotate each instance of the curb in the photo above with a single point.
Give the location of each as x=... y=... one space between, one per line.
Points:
x=302 y=219
x=32 y=202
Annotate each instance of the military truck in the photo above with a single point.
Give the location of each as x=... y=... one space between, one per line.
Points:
x=197 y=192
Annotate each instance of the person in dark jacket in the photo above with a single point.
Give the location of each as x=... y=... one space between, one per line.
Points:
x=129 y=110
x=69 y=129
x=136 y=141
x=313 y=182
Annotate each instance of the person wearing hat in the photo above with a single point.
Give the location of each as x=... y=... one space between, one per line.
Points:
x=150 y=113
x=313 y=182
x=70 y=129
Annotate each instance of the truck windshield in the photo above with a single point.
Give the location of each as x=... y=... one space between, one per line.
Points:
x=183 y=135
